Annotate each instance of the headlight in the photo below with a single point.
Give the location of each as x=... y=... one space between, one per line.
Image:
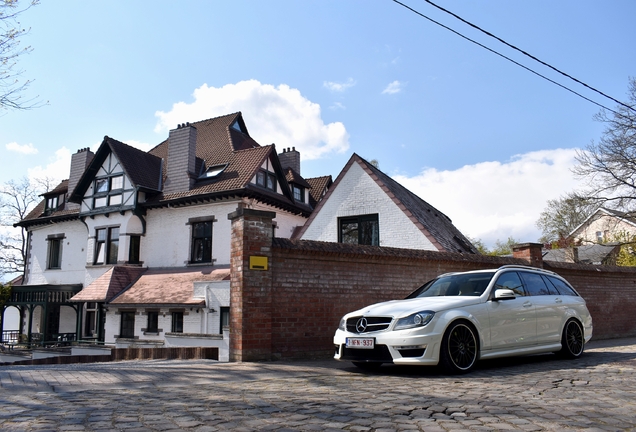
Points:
x=419 y=319
x=343 y=324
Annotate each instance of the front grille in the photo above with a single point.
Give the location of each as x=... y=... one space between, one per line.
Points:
x=378 y=354
x=372 y=324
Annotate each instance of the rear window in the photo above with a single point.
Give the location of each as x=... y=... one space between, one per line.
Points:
x=562 y=287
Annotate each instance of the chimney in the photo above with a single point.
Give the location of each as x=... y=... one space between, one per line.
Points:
x=79 y=163
x=572 y=254
x=290 y=159
x=182 y=149
x=531 y=252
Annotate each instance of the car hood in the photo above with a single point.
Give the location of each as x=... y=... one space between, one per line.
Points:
x=397 y=308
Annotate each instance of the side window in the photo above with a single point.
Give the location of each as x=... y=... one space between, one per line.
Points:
x=363 y=229
x=177 y=322
x=201 y=242
x=127 y=325
x=562 y=287
x=511 y=281
x=535 y=286
x=106 y=246
x=54 y=259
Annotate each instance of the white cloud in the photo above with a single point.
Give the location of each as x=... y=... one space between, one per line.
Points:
x=495 y=200
x=394 y=87
x=337 y=106
x=279 y=115
x=139 y=145
x=26 y=149
x=339 y=87
x=57 y=169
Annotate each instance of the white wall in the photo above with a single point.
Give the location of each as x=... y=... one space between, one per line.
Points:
x=358 y=194
x=73 y=254
x=11 y=319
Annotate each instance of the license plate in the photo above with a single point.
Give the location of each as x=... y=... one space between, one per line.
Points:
x=362 y=343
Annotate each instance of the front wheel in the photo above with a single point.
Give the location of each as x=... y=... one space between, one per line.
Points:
x=459 y=348
x=572 y=341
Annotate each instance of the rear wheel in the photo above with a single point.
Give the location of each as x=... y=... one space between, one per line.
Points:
x=459 y=348
x=572 y=341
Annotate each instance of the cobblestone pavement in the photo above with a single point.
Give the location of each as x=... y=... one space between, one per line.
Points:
x=540 y=393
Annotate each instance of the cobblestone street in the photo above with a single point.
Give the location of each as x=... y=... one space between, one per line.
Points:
x=596 y=392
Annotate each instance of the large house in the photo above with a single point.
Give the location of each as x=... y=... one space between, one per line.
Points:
x=134 y=248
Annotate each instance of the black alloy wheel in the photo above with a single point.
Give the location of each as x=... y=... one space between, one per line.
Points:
x=572 y=342
x=459 y=348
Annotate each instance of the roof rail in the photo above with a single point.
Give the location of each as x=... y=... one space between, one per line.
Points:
x=526 y=268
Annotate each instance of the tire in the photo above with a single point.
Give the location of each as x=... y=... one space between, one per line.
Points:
x=367 y=366
x=460 y=348
x=572 y=341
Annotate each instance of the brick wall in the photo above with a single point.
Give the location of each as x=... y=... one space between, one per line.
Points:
x=295 y=305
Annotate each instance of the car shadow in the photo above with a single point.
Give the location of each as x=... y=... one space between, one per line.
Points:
x=510 y=365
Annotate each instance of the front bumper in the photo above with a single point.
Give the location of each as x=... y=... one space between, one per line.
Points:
x=399 y=347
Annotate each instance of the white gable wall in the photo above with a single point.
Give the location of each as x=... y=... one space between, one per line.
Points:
x=358 y=194
x=611 y=228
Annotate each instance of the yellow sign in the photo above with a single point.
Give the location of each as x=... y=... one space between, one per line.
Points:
x=258 y=263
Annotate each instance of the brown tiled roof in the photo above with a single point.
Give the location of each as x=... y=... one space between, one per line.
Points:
x=318 y=187
x=216 y=140
x=61 y=188
x=241 y=168
x=108 y=285
x=169 y=286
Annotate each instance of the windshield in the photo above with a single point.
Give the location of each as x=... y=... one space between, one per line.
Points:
x=466 y=284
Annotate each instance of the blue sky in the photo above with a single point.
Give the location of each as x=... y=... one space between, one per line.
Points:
x=480 y=138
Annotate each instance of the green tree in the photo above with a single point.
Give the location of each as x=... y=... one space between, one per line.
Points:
x=12 y=86
x=503 y=248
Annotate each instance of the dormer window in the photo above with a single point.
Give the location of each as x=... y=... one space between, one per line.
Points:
x=108 y=191
x=266 y=179
x=237 y=126
x=299 y=193
x=54 y=203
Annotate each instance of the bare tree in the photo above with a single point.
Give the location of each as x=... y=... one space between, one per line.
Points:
x=609 y=165
x=12 y=86
x=561 y=216
x=17 y=199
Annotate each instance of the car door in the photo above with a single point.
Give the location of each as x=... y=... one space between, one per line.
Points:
x=548 y=308
x=513 y=322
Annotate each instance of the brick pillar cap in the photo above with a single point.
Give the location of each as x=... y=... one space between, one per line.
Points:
x=526 y=245
x=242 y=212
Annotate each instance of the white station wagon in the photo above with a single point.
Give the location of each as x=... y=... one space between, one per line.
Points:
x=459 y=318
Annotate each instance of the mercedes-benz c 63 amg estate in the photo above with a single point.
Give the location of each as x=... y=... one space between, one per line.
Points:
x=459 y=318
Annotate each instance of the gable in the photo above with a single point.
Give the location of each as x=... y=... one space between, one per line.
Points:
x=603 y=226
x=357 y=194
x=110 y=189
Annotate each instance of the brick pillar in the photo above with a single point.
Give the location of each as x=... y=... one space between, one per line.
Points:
x=251 y=289
x=531 y=252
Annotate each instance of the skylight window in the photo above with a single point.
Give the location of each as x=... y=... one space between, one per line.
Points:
x=214 y=171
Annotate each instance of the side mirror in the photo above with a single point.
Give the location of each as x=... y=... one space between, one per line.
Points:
x=504 y=294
